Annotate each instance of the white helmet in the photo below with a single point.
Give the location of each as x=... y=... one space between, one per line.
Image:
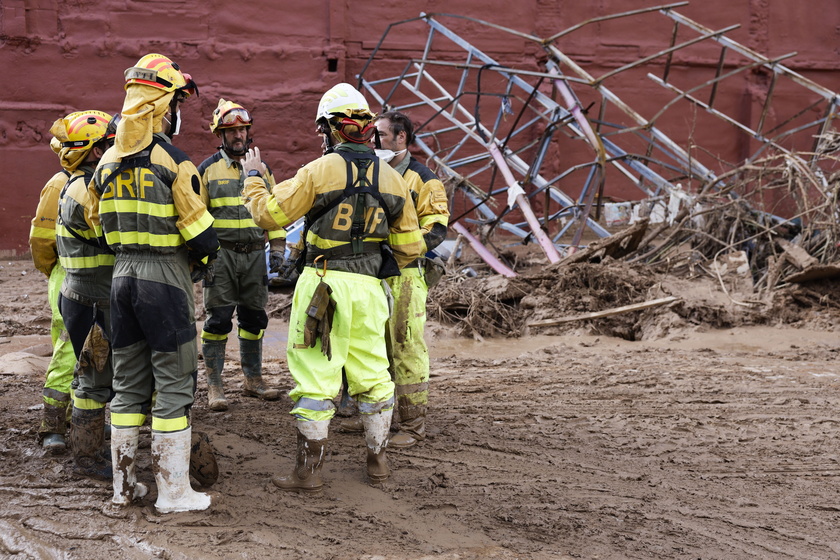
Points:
x=344 y=100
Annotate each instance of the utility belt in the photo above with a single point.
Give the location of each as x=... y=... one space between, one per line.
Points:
x=368 y=247
x=242 y=247
x=387 y=268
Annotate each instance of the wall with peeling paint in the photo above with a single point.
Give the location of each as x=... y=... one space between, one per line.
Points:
x=278 y=57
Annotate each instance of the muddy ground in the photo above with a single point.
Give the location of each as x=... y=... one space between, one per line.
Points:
x=676 y=440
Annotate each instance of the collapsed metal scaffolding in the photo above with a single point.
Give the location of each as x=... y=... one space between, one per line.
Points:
x=482 y=119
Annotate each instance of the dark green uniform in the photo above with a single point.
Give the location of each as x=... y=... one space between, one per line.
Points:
x=153 y=218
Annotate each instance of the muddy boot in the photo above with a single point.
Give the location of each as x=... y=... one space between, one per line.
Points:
x=311 y=449
x=123 y=450
x=377 y=427
x=203 y=466
x=250 y=353
x=53 y=427
x=87 y=436
x=214 y=362
x=352 y=425
x=412 y=428
x=171 y=462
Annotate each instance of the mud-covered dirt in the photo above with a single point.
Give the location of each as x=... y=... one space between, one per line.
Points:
x=681 y=441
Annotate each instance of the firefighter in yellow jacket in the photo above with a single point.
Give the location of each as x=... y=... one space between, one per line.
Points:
x=42 y=245
x=360 y=226
x=407 y=348
x=240 y=281
x=153 y=218
x=85 y=292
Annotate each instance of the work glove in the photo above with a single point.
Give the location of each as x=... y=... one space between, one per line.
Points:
x=289 y=265
x=276 y=261
x=200 y=271
x=319 y=316
x=96 y=350
x=201 y=266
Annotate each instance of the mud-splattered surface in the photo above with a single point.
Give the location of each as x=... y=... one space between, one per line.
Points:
x=700 y=443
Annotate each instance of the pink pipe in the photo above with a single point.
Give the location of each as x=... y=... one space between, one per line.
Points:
x=575 y=109
x=547 y=246
x=482 y=251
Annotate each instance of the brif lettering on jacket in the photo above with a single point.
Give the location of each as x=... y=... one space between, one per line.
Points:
x=344 y=217
x=125 y=183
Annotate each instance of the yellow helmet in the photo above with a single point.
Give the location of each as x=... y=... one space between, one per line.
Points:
x=159 y=71
x=83 y=129
x=229 y=115
x=343 y=100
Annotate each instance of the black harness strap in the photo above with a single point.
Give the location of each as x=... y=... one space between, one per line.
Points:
x=360 y=186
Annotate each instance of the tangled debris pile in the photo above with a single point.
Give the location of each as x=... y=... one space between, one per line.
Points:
x=527 y=147
x=764 y=271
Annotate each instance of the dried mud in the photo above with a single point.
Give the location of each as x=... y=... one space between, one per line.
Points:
x=654 y=435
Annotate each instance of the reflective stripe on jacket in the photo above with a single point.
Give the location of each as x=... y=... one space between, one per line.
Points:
x=89 y=267
x=429 y=195
x=315 y=186
x=222 y=179
x=153 y=202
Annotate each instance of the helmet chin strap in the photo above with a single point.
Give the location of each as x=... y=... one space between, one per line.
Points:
x=376 y=142
x=324 y=128
x=173 y=115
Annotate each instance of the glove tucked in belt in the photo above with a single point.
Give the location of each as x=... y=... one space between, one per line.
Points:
x=319 y=314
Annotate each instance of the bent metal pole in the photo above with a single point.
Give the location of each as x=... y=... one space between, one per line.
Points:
x=483 y=252
x=513 y=188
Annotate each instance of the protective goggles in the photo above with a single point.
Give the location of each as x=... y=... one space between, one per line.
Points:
x=353 y=131
x=152 y=77
x=236 y=117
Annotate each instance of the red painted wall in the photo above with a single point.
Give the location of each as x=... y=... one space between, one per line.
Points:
x=274 y=57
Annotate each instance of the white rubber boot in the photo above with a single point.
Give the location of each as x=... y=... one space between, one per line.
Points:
x=171 y=460
x=123 y=449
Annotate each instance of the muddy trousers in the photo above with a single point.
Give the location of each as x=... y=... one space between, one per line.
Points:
x=154 y=346
x=239 y=284
x=62 y=364
x=407 y=351
x=80 y=316
x=93 y=381
x=358 y=346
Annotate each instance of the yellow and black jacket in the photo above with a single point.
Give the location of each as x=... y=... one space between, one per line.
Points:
x=150 y=202
x=222 y=179
x=430 y=200
x=89 y=266
x=327 y=184
x=42 y=232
